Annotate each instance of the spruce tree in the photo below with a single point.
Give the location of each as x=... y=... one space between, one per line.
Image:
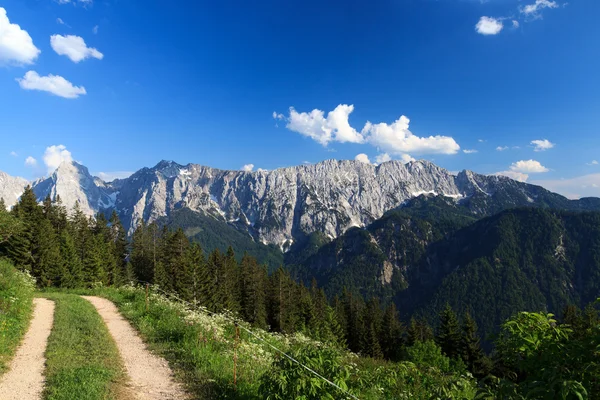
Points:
x=418 y=331
x=392 y=331
x=72 y=267
x=449 y=335
x=471 y=352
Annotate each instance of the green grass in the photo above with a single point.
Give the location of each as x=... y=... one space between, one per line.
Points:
x=199 y=348
x=16 y=296
x=82 y=359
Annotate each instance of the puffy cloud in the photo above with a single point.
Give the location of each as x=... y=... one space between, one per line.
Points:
x=363 y=158
x=542 y=145
x=383 y=157
x=489 y=26
x=73 y=47
x=406 y=158
x=515 y=23
x=520 y=170
x=396 y=138
x=16 y=46
x=470 y=151
x=528 y=167
x=248 y=167
x=278 y=116
x=14 y=154
x=55 y=155
x=517 y=176
x=593 y=162
x=111 y=176
x=573 y=188
x=84 y=2
x=535 y=8
x=501 y=148
x=335 y=127
x=54 y=84
x=30 y=162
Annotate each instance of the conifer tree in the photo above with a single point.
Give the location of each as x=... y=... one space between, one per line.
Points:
x=449 y=335
x=392 y=330
x=253 y=280
x=471 y=352
x=72 y=267
x=119 y=239
x=418 y=331
x=47 y=266
x=197 y=263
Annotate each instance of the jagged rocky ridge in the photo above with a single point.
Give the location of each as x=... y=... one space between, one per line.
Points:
x=287 y=204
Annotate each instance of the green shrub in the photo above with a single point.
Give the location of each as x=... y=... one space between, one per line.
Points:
x=16 y=296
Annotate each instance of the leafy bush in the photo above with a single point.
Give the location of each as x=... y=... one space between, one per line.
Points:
x=289 y=380
x=16 y=296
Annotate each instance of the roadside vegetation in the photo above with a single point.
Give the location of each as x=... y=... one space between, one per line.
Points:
x=16 y=305
x=200 y=346
x=82 y=359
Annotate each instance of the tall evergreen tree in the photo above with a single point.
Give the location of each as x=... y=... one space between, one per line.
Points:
x=418 y=331
x=449 y=335
x=392 y=331
x=471 y=351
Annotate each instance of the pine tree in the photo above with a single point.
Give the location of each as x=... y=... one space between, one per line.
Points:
x=120 y=244
x=471 y=352
x=73 y=270
x=418 y=331
x=253 y=279
x=449 y=335
x=20 y=247
x=176 y=264
x=142 y=254
x=47 y=265
x=392 y=342
x=197 y=263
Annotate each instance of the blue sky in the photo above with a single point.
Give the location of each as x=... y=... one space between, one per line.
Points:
x=202 y=82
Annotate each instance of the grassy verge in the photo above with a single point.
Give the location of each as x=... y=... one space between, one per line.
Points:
x=82 y=359
x=200 y=350
x=16 y=296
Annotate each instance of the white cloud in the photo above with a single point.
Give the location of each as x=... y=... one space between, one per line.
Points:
x=111 y=176
x=73 y=47
x=16 y=46
x=60 y=21
x=533 y=9
x=489 y=26
x=470 y=151
x=84 y=2
x=383 y=157
x=363 y=158
x=542 y=145
x=95 y=29
x=517 y=176
x=515 y=23
x=528 y=167
x=573 y=188
x=481 y=140
x=30 y=161
x=55 y=155
x=593 y=162
x=520 y=170
x=335 y=127
x=396 y=138
x=248 y=167
x=501 y=148
x=406 y=158
x=14 y=154
x=54 y=84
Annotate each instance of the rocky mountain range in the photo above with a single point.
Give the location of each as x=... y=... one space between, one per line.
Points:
x=285 y=205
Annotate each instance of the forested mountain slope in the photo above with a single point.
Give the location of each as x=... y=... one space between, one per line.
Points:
x=520 y=259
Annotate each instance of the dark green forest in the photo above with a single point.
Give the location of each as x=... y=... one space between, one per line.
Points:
x=461 y=281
